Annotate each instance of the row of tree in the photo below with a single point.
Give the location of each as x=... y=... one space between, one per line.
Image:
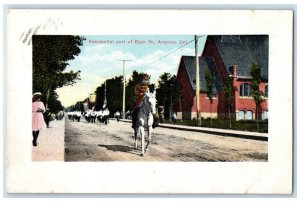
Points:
x=50 y=55
x=112 y=89
x=110 y=93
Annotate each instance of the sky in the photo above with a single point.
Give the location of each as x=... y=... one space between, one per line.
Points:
x=151 y=54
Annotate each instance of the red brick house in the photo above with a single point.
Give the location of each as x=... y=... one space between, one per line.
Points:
x=225 y=56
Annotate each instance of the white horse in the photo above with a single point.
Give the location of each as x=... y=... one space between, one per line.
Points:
x=145 y=121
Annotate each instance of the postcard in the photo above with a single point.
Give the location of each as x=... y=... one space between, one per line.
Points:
x=160 y=96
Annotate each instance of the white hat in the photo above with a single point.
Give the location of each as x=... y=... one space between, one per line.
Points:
x=37 y=94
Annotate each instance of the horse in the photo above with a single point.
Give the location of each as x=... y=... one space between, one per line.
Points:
x=144 y=121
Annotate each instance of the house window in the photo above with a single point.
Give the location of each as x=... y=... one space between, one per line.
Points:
x=265 y=115
x=241 y=115
x=266 y=90
x=245 y=90
x=248 y=115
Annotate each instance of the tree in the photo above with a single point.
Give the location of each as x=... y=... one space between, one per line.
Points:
x=255 y=92
x=78 y=106
x=228 y=91
x=168 y=92
x=132 y=82
x=114 y=93
x=100 y=97
x=209 y=79
x=54 y=104
x=50 y=56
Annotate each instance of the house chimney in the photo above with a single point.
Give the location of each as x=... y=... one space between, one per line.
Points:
x=233 y=70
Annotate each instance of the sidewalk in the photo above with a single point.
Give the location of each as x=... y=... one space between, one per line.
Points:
x=50 y=143
x=215 y=131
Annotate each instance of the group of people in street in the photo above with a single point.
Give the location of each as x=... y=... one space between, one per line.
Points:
x=90 y=115
x=38 y=108
x=102 y=116
x=74 y=115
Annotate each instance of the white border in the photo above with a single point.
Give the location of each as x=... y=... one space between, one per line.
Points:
x=275 y=176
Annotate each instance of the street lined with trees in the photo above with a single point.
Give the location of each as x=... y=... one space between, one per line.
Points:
x=50 y=59
x=51 y=54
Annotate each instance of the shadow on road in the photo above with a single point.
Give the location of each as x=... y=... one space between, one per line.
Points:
x=114 y=148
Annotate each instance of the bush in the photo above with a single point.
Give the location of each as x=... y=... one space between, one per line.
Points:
x=243 y=125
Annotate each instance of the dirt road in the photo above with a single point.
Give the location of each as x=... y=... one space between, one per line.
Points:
x=114 y=142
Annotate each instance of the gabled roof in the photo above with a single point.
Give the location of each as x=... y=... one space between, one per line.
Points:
x=189 y=64
x=242 y=50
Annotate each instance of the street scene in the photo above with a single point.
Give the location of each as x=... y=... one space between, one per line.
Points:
x=183 y=98
x=83 y=141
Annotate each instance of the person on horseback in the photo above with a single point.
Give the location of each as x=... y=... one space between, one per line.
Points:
x=140 y=92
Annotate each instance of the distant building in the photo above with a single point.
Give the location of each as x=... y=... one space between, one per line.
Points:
x=225 y=56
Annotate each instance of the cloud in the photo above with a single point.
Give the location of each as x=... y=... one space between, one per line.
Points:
x=69 y=95
x=156 y=64
x=98 y=63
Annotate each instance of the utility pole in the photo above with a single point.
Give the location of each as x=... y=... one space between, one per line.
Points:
x=197 y=82
x=123 y=109
x=47 y=99
x=105 y=101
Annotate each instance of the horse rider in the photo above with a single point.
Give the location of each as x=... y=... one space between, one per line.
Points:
x=140 y=91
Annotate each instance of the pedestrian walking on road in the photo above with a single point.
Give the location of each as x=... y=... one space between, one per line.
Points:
x=106 y=115
x=174 y=118
x=47 y=117
x=93 y=117
x=38 y=122
x=117 y=115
